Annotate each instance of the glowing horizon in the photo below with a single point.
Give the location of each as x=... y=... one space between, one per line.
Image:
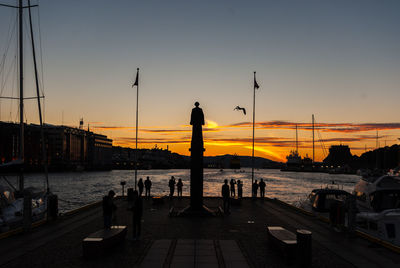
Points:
x=362 y=137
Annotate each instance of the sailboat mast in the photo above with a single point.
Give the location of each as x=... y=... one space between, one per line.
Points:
x=44 y=153
x=254 y=116
x=21 y=95
x=313 y=147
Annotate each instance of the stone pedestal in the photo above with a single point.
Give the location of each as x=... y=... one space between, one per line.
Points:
x=196 y=166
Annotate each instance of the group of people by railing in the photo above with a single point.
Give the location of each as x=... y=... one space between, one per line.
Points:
x=239 y=184
x=136 y=204
x=146 y=185
x=228 y=191
x=172 y=183
x=179 y=186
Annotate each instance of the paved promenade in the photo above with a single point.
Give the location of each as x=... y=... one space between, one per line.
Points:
x=235 y=240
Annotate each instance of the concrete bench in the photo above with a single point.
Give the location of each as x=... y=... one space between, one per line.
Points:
x=285 y=240
x=99 y=242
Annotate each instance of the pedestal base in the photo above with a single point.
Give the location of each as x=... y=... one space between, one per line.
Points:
x=200 y=212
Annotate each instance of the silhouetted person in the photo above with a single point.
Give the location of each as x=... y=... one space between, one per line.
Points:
x=108 y=209
x=147 y=185
x=255 y=188
x=140 y=186
x=240 y=188
x=225 y=197
x=232 y=183
x=137 y=212
x=262 y=188
x=171 y=185
x=179 y=185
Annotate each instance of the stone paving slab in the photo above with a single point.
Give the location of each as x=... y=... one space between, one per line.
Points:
x=194 y=253
x=157 y=254
x=152 y=264
x=232 y=254
x=163 y=243
x=207 y=265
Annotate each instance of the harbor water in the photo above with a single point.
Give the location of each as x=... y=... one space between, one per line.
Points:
x=76 y=189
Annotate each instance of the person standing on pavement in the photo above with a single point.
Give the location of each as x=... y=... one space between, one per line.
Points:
x=108 y=209
x=226 y=197
x=240 y=189
x=171 y=185
x=232 y=183
x=179 y=185
x=140 y=186
x=147 y=185
x=255 y=188
x=262 y=185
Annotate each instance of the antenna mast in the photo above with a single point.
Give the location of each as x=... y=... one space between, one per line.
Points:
x=297 y=143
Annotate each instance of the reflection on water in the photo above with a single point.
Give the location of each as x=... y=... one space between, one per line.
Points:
x=76 y=189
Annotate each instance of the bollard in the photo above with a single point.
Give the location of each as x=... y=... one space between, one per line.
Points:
x=130 y=194
x=304 y=248
x=52 y=206
x=27 y=211
x=341 y=214
x=123 y=186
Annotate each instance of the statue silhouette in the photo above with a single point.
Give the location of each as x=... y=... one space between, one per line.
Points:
x=196 y=158
x=196 y=166
x=197 y=121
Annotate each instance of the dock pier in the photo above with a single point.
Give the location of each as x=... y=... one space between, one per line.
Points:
x=239 y=239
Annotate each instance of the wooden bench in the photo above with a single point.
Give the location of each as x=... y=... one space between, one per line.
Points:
x=99 y=242
x=285 y=240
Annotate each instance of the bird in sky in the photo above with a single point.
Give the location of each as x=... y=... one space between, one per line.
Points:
x=237 y=108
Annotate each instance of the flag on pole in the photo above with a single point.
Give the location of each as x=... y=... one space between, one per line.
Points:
x=137 y=79
x=256 y=86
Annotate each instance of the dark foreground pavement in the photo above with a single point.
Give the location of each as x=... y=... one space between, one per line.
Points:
x=59 y=244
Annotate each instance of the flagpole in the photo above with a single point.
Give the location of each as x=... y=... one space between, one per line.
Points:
x=137 y=114
x=254 y=115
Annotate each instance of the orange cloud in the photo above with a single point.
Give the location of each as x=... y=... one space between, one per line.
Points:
x=325 y=127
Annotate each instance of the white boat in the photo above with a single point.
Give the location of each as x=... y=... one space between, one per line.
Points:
x=378 y=202
x=321 y=200
x=11 y=208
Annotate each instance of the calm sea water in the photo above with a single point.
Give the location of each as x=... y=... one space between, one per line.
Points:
x=76 y=189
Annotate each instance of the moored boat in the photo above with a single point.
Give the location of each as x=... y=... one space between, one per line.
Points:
x=378 y=200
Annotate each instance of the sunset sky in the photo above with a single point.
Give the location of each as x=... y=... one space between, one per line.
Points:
x=338 y=60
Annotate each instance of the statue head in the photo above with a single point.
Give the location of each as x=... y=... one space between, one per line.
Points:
x=196 y=104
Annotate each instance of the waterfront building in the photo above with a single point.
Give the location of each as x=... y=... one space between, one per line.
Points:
x=9 y=143
x=339 y=155
x=100 y=152
x=68 y=148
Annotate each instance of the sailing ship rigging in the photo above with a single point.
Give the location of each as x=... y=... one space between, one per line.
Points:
x=20 y=199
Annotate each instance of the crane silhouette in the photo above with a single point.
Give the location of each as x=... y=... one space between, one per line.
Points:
x=237 y=108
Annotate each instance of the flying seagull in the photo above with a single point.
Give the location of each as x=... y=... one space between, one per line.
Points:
x=240 y=108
